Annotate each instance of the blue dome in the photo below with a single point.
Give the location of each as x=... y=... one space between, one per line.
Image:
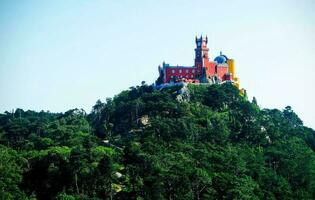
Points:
x=220 y=59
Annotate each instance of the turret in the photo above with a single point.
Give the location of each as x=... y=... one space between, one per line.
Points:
x=231 y=65
x=201 y=51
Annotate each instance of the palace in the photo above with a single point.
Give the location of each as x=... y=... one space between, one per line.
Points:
x=220 y=70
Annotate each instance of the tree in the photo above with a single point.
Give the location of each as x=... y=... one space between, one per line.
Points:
x=254 y=101
x=11 y=169
x=215 y=145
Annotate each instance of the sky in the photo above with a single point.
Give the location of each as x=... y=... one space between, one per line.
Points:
x=58 y=55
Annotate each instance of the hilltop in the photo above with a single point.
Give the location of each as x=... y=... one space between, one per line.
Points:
x=204 y=142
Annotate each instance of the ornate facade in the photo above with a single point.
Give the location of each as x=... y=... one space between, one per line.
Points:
x=205 y=70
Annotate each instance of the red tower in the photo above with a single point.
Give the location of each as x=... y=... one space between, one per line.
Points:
x=201 y=51
x=202 y=57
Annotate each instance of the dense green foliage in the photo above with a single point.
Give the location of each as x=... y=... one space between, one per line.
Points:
x=148 y=144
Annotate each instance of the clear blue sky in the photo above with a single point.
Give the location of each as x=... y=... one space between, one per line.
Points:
x=58 y=55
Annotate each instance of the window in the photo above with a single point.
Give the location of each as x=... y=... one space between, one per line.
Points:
x=173 y=71
x=192 y=76
x=181 y=76
x=193 y=71
x=186 y=76
x=180 y=71
x=186 y=70
x=172 y=76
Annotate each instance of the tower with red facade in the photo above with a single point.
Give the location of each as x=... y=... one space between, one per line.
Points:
x=201 y=51
x=220 y=70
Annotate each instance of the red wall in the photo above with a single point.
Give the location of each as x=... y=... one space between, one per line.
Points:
x=210 y=68
x=221 y=71
x=188 y=73
x=192 y=72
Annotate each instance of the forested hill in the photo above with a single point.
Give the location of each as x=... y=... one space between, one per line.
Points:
x=208 y=142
